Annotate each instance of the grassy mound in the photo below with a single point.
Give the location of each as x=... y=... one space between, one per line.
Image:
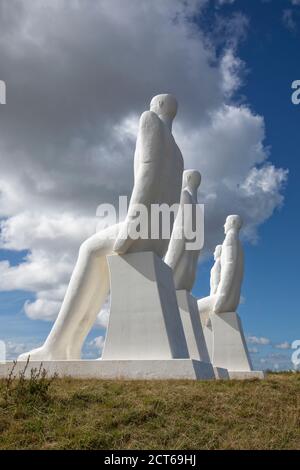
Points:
x=92 y=414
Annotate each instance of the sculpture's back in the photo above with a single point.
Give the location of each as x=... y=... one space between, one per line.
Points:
x=158 y=169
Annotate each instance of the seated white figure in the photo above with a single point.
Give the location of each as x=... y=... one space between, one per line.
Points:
x=215 y=273
x=182 y=261
x=225 y=294
x=158 y=168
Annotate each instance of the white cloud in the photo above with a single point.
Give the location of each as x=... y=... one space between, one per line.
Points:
x=96 y=345
x=258 y=340
x=289 y=20
x=253 y=350
x=275 y=361
x=15 y=348
x=230 y=67
x=79 y=74
x=103 y=317
x=284 y=345
x=223 y=2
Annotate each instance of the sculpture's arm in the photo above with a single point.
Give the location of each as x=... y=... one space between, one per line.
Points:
x=215 y=276
x=212 y=283
x=149 y=151
x=177 y=242
x=229 y=260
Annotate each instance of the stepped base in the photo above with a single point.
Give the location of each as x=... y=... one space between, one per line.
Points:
x=246 y=375
x=118 y=369
x=177 y=369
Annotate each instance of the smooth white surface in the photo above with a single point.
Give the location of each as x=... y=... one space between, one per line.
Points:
x=184 y=262
x=144 y=320
x=158 y=168
x=192 y=326
x=132 y=370
x=229 y=346
x=207 y=332
x=242 y=375
x=227 y=294
x=215 y=273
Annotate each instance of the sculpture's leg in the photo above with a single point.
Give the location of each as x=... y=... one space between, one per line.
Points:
x=86 y=293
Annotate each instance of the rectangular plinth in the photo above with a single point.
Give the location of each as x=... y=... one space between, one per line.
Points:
x=122 y=369
x=246 y=375
x=144 y=321
x=192 y=326
x=229 y=346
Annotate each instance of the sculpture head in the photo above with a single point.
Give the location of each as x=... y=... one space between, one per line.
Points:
x=165 y=106
x=191 y=179
x=234 y=222
x=218 y=252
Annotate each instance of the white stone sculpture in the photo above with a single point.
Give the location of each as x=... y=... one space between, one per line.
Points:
x=215 y=277
x=226 y=296
x=158 y=168
x=184 y=262
x=222 y=326
x=215 y=273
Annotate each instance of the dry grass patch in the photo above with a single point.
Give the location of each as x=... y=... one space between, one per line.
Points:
x=95 y=414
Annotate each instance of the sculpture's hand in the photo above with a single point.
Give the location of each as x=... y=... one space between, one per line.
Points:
x=123 y=241
x=219 y=305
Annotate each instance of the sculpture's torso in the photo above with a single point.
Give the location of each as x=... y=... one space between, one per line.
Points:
x=185 y=270
x=165 y=182
x=234 y=293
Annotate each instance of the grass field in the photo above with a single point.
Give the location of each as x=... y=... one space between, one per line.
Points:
x=93 y=414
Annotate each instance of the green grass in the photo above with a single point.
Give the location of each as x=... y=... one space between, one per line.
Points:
x=95 y=414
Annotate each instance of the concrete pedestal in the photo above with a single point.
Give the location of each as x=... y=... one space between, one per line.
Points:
x=193 y=330
x=179 y=369
x=207 y=333
x=188 y=310
x=229 y=348
x=144 y=320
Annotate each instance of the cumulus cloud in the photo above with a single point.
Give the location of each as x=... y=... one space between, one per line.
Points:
x=223 y=2
x=14 y=348
x=258 y=340
x=78 y=76
x=95 y=347
x=275 y=361
x=284 y=345
x=253 y=350
x=103 y=317
x=290 y=18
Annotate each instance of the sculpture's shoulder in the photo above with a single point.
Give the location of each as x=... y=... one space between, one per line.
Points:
x=150 y=122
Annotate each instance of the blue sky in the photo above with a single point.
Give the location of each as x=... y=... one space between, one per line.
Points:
x=269 y=50
x=271 y=53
